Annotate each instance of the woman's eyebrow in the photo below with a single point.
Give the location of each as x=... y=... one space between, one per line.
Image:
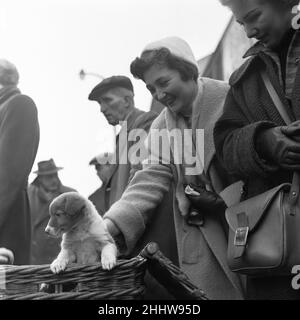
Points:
x=247 y=15
x=161 y=78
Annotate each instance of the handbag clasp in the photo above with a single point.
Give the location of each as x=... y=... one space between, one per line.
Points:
x=240 y=236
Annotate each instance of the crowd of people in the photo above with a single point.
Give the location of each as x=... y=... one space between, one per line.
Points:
x=177 y=204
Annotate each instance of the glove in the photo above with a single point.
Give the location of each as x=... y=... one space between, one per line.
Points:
x=292 y=131
x=275 y=146
x=204 y=200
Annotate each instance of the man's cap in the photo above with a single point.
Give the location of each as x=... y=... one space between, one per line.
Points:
x=102 y=158
x=109 y=83
x=47 y=167
x=9 y=74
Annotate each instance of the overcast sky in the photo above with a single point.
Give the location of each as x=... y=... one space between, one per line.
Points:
x=51 y=40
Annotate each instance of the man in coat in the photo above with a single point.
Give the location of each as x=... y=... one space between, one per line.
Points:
x=19 y=140
x=115 y=96
x=100 y=197
x=41 y=192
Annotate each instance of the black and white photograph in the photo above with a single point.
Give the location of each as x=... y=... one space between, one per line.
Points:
x=150 y=151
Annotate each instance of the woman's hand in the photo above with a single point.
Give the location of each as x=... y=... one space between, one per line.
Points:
x=292 y=130
x=204 y=200
x=111 y=227
x=279 y=145
x=6 y=256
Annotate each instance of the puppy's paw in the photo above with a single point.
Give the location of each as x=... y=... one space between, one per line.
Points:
x=108 y=260
x=58 y=265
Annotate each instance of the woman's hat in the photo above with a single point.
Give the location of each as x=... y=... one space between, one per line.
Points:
x=177 y=46
x=47 y=167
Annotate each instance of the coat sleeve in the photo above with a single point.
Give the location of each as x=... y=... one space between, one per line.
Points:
x=144 y=193
x=234 y=138
x=19 y=136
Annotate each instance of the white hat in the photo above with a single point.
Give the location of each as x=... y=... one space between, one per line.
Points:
x=177 y=46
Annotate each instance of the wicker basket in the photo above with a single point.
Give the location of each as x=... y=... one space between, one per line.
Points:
x=91 y=282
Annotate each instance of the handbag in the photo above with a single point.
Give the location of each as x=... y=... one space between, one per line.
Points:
x=264 y=231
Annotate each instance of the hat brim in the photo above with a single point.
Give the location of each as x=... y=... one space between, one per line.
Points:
x=43 y=173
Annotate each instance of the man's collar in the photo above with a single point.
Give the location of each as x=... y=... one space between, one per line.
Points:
x=128 y=114
x=130 y=118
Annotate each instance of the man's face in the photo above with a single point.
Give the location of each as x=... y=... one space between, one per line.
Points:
x=264 y=20
x=49 y=182
x=167 y=87
x=113 y=106
x=103 y=171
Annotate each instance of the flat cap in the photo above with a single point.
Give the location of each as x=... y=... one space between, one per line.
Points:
x=109 y=83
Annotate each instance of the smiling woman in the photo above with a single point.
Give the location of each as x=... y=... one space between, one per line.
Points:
x=170 y=80
x=170 y=72
x=264 y=20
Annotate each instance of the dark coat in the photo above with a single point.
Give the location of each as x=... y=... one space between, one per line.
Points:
x=120 y=173
x=19 y=139
x=249 y=109
x=100 y=199
x=44 y=249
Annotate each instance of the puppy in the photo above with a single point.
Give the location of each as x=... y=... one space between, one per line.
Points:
x=84 y=234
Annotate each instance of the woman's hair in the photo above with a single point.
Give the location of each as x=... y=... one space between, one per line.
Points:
x=287 y=3
x=163 y=57
x=8 y=73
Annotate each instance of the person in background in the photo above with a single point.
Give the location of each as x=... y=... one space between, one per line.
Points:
x=19 y=140
x=115 y=95
x=253 y=142
x=100 y=197
x=45 y=187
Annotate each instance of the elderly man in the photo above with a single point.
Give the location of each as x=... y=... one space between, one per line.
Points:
x=19 y=140
x=41 y=192
x=100 y=197
x=115 y=96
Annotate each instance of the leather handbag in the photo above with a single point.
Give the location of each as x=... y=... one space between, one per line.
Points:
x=264 y=231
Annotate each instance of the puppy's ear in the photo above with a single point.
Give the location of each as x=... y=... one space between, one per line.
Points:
x=57 y=203
x=75 y=205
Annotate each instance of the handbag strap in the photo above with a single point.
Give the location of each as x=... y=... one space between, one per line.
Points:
x=294 y=192
x=278 y=103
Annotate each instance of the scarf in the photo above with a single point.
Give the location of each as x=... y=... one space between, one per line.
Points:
x=191 y=170
x=8 y=92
